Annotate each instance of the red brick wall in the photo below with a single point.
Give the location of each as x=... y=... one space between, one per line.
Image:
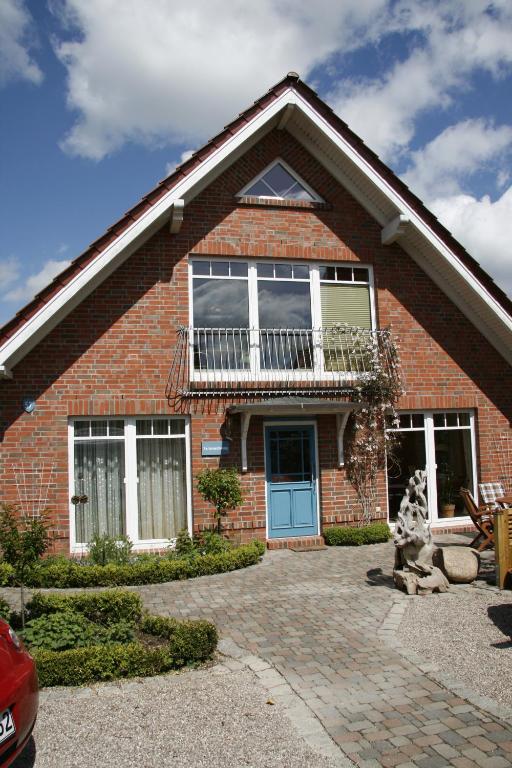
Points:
x=112 y=354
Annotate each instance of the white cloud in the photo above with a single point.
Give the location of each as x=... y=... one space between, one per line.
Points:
x=453 y=40
x=186 y=155
x=26 y=289
x=484 y=228
x=173 y=73
x=459 y=151
x=15 y=60
x=9 y=271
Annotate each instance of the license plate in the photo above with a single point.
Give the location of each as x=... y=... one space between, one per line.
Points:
x=7 y=727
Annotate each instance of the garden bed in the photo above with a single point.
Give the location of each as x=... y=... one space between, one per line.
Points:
x=62 y=572
x=85 y=638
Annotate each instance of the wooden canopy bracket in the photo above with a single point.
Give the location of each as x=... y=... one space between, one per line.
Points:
x=341 y=423
x=394 y=229
x=244 y=429
x=176 y=220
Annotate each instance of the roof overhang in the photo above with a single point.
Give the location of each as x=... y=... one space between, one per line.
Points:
x=289 y=407
x=292 y=111
x=401 y=223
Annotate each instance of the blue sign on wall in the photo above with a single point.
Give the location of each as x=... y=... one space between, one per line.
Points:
x=215 y=447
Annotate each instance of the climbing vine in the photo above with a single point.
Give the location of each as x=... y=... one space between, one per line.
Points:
x=377 y=392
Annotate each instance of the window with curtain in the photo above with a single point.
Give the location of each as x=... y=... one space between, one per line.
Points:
x=108 y=500
x=99 y=477
x=161 y=471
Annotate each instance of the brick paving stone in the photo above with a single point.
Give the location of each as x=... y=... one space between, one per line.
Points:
x=446 y=751
x=452 y=738
x=482 y=743
x=312 y=627
x=497 y=762
x=427 y=741
x=434 y=728
x=431 y=762
x=473 y=730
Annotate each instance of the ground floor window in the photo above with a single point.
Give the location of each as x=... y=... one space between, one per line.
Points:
x=129 y=476
x=443 y=444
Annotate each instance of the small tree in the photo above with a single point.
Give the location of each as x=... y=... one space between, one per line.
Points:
x=221 y=487
x=23 y=539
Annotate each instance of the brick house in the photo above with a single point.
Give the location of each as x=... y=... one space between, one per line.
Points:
x=213 y=325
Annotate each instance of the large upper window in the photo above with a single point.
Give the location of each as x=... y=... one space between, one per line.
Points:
x=280 y=181
x=261 y=316
x=129 y=477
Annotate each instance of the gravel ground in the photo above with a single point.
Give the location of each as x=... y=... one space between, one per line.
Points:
x=196 y=718
x=467 y=632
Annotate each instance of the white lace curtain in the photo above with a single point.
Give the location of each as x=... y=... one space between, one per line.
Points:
x=161 y=488
x=99 y=475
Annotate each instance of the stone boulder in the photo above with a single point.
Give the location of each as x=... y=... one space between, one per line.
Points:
x=459 y=564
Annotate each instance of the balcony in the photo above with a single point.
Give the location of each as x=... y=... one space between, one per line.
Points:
x=276 y=361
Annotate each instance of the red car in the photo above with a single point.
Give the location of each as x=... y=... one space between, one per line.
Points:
x=19 y=695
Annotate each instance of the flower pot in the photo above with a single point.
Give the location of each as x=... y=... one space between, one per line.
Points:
x=447 y=510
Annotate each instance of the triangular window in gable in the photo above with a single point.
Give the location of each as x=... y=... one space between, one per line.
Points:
x=278 y=180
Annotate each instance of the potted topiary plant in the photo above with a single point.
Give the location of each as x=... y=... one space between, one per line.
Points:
x=221 y=487
x=447 y=492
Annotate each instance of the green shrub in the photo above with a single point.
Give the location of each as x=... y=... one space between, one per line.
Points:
x=69 y=629
x=210 y=543
x=184 y=546
x=104 y=549
x=6 y=574
x=189 y=641
x=120 y=632
x=204 y=543
x=70 y=574
x=60 y=631
x=345 y=536
x=5 y=610
x=79 y=666
x=106 y=608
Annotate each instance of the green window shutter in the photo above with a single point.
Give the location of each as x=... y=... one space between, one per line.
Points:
x=348 y=304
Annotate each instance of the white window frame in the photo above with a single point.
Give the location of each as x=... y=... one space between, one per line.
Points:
x=430 y=456
x=253 y=372
x=279 y=161
x=131 y=480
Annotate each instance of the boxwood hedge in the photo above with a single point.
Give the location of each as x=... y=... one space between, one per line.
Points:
x=66 y=573
x=346 y=536
x=104 y=608
x=186 y=642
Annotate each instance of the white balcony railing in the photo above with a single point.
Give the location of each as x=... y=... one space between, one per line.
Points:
x=280 y=360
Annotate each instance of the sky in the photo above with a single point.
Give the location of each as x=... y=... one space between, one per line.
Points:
x=101 y=99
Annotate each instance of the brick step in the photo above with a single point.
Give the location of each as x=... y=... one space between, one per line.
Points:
x=299 y=544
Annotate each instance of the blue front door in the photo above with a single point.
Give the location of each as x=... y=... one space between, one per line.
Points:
x=291 y=481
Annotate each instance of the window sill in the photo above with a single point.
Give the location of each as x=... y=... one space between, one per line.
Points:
x=273 y=202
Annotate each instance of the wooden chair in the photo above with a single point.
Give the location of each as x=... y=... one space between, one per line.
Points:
x=482 y=518
x=503 y=533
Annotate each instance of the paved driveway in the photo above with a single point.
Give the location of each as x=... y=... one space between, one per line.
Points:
x=319 y=630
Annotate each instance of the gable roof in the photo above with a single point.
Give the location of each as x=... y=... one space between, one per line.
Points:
x=294 y=106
